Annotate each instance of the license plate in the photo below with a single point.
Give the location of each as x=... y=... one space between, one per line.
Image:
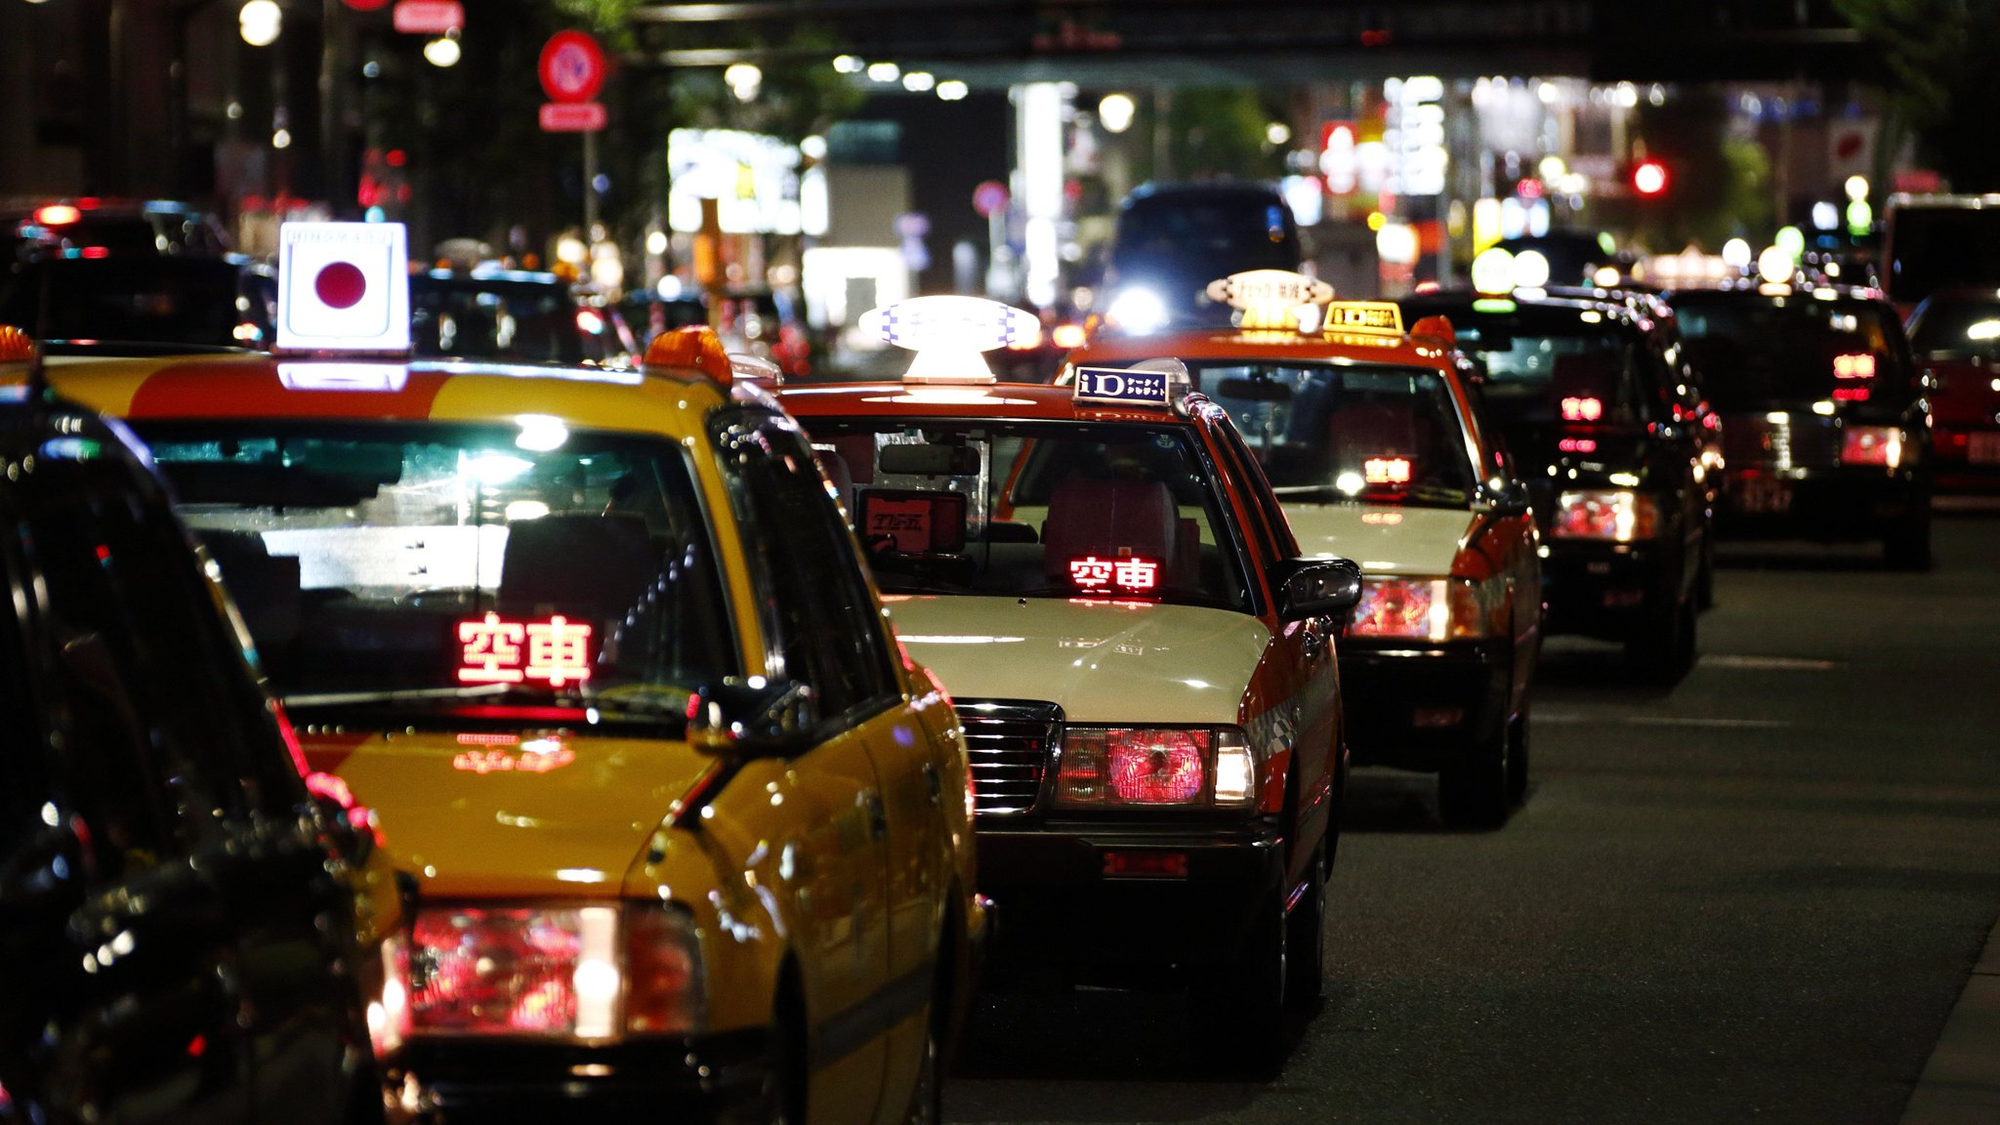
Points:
x=1764 y=495
x=1983 y=449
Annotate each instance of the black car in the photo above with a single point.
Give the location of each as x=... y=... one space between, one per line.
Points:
x=178 y=916
x=1825 y=420
x=1603 y=418
x=520 y=316
x=135 y=303
x=1171 y=240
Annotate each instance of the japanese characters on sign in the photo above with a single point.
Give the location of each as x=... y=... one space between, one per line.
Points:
x=1126 y=574
x=1120 y=387
x=494 y=650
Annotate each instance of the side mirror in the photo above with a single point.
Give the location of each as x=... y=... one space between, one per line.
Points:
x=1312 y=587
x=753 y=718
x=1510 y=499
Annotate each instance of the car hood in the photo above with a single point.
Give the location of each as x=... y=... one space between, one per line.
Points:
x=498 y=816
x=1382 y=539
x=1116 y=662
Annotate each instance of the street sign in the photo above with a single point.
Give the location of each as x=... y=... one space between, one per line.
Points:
x=572 y=68
x=989 y=198
x=429 y=17
x=572 y=117
x=366 y=5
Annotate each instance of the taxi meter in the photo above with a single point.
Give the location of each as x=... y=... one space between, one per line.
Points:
x=343 y=287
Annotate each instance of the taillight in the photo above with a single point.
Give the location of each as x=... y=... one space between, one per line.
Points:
x=1871 y=445
x=1139 y=767
x=1400 y=607
x=665 y=993
x=1618 y=515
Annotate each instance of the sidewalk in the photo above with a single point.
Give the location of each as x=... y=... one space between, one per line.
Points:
x=1960 y=1084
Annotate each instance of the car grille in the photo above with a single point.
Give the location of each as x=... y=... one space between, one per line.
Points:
x=1010 y=742
x=1796 y=441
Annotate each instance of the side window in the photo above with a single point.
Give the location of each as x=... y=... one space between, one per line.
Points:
x=155 y=685
x=809 y=580
x=1269 y=529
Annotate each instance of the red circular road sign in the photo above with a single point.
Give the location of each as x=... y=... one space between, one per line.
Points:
x=572 y=67
x=340 y=285
x=989 y=198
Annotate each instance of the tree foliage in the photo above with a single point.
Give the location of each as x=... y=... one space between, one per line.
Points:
x=1939 y=57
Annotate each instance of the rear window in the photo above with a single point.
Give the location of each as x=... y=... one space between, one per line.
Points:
x=131 y=299
x=506 y=321
x=1219 y=234
x=1957 y=328
x=1757 y=352
x=1562 y=366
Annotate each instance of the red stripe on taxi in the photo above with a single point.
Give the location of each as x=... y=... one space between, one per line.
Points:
x=233 y=391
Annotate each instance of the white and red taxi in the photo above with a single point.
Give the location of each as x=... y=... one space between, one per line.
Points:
x=1141 y=655
x=684 y=833
x=1376 y=452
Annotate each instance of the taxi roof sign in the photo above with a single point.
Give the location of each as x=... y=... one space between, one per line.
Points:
x=1364 y=318
x=948 y=332
x=343 y=287
x=1148 y=384
x=1269 y=298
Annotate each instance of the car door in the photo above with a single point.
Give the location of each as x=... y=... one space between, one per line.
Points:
x=812 y=601
x=134 y=963
x=248 y=815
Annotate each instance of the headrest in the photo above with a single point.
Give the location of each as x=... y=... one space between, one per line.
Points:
x=1109 y=519
x=578 y=563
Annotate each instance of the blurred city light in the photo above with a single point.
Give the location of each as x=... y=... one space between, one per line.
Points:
x=743 y=80
x=260 y=21
x=951 y=89
x=1115 y=112
x=442 y=51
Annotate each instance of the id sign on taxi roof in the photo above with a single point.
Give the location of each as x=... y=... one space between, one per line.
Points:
x=343 y=287
x=1114 y=386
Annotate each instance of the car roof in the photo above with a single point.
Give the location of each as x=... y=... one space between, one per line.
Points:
x=268 y=387
x=1038 y=402
x=1197 y=343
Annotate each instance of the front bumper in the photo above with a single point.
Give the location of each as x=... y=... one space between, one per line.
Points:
x=1829 y=505
x=713 y=1078
x=1419 y=706
x=1068 y=913
x=1610 y=590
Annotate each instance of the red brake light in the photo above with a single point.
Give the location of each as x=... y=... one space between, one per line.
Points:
x=1871 y=445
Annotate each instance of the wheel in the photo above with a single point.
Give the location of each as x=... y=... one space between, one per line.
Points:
x=1517 y=757
x=1908 y=544
x=1240 y=1011
x=1704 y=575
x=1305 y=939
x=1665 y=649
x=1473 y=788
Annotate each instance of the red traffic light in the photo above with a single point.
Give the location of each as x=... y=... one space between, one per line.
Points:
x=1649 y=177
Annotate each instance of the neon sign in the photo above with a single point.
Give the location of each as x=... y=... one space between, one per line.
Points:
x=1131 y=575
x=494 y=650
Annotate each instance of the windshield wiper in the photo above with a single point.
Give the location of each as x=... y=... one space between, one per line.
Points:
x=401 y=695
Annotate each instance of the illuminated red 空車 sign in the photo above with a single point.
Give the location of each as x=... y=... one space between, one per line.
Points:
x=1386 y=470
x=1130 y=574
x=496 y=650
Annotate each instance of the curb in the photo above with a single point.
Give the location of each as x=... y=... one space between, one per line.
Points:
x=1960 y=1084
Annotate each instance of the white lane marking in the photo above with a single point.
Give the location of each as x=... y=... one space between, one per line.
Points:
x=1568 y=718
x=1771 y=663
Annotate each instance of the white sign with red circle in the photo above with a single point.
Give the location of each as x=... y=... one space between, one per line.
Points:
x=572 y=67
x=343 y=287
x=428 y=17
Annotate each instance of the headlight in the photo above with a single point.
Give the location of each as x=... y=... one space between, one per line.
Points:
x=1619 y=515
x=1871 y=445
x=1433 y=609
x=554 y=971
x=1152 y=767
x=1137 y=311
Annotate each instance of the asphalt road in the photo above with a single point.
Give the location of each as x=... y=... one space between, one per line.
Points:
x=1754 y=897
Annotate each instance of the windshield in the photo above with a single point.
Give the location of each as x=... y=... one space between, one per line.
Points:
x=1205 y=236
x=405 y=570
x=1759 y=352
x=1034 y=510
x=1957 y=328
x=1326 y=432
x=500 y=320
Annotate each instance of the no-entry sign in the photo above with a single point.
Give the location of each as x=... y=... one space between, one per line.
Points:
x=572 y=67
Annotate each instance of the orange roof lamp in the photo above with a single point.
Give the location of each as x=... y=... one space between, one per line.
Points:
x=16 y=346
x=694 y=347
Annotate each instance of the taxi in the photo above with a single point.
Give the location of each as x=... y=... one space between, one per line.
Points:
x=682 y=831
x=1141 y=654
x=1374 y=448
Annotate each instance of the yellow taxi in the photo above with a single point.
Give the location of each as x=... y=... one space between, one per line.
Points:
x=1141 y=654
x=682 y=830
x=1374 y=447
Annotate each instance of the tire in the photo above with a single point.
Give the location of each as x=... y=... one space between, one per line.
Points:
x=1665 y=650
x=1908 y=544
x=1517 y=757
x=1305 y=940
x=1473 y=788
x=1241 y=1012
